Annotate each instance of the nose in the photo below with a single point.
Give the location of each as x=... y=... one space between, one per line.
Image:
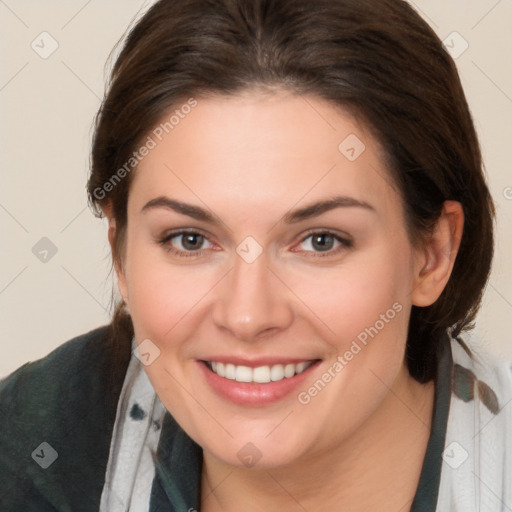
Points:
x=252 y=301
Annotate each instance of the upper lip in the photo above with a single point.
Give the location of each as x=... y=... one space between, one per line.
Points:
x=254 y=363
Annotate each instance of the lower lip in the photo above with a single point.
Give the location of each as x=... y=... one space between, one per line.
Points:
x=251 y=393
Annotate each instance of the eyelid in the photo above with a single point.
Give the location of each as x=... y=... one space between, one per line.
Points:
x=345 y=237
x=167 y=235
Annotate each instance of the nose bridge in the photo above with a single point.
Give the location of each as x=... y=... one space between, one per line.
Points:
x=252 y=300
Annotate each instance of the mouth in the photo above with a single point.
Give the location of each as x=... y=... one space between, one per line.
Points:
x=258 y=384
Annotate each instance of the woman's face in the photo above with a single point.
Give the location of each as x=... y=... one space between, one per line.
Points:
x=265 y=279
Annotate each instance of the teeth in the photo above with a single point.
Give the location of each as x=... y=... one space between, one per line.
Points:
x=301 y=367
x=260 y=374
x=221 y=370
x=289 y=370
x=277 y=372
x=243 y=374
x=230 y=371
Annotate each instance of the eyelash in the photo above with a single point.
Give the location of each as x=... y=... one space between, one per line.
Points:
x=164 y=242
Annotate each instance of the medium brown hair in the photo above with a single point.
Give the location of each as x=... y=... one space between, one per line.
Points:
x=379 y=59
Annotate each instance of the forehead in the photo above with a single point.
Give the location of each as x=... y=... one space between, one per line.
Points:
x=260 y=152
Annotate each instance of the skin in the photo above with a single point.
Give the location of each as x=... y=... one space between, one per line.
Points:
x=250 y=159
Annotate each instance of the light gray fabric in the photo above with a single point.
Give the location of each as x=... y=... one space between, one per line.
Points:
x=476 y=474
x=130 y=469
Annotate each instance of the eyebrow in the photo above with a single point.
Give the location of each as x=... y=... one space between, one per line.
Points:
x=292 y=217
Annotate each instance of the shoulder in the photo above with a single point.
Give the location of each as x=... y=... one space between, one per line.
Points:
x=40 y=388
x=56 y=419
x=71 y=350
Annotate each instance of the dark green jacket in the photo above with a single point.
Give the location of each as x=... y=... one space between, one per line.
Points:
x=61 y=400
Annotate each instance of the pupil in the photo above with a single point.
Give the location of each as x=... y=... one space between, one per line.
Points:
x=322 y=245
x=188 y=239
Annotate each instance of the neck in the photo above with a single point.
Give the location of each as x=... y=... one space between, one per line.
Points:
x=377 y=468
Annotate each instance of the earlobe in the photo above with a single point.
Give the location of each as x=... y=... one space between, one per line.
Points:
x=434 y=261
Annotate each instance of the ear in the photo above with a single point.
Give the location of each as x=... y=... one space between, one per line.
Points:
x=121 y=278
x=435 y=259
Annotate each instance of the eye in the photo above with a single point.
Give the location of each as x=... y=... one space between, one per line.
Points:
x=325 y=242
x=190 y=242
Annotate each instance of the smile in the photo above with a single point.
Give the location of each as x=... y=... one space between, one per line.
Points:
x=260 y=374
x=257 y=385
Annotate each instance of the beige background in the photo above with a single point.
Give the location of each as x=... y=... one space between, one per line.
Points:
x=47 y=107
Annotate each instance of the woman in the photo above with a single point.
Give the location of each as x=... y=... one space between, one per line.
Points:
x=306 y=352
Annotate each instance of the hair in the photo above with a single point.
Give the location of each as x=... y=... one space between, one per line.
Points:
x=378 y=60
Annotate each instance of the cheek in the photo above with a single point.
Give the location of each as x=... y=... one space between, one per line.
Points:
x=162 y=295
x=159 y=293
x=362 y=309
x=353 y=296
